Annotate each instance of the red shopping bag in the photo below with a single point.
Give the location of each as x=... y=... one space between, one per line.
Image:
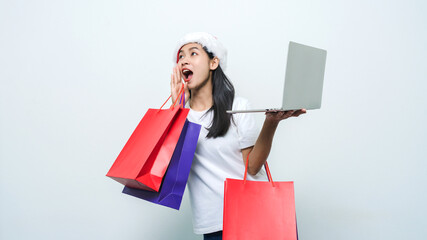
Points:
x=145 y=157
x=255 y=210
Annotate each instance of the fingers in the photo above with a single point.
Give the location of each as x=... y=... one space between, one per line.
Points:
x=281 y=115
x=176 y=82
x=176 y=77
x=299 y=112
x=294 y=113
x=172 y=81
x=278 y=116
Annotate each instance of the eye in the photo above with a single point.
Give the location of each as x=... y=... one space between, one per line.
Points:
x=193 y=54
x=180 y=56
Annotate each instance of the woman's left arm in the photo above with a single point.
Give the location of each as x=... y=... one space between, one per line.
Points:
x=260 y=151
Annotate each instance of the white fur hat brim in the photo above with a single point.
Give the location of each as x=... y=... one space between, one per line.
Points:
x=206 y=40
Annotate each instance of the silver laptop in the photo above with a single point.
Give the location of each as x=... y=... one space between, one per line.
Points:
x=305 y=70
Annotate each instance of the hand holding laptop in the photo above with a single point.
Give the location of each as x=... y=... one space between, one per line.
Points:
x=281 y=114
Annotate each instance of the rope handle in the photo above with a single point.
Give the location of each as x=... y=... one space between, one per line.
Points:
x=181 y=92
x=267 y=169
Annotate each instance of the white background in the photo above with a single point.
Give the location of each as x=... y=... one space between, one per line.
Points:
x=77 y=76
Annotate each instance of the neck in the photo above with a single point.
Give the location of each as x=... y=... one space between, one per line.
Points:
x=202 y=98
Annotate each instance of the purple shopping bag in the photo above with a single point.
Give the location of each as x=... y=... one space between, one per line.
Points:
x=175 y=179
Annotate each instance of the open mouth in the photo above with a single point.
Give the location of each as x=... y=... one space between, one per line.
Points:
x=188 y=74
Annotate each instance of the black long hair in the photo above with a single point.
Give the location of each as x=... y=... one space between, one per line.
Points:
x=223 y=97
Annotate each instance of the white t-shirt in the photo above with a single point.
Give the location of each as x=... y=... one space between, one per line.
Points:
x=215 y=160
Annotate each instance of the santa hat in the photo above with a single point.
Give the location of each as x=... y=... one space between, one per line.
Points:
x=206 y=40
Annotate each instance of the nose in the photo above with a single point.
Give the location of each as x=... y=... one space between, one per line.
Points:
x=183 y=61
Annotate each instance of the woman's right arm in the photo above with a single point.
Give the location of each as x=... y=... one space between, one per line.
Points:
x=260 y=151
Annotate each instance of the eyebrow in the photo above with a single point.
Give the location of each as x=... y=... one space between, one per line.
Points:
x=190 y=49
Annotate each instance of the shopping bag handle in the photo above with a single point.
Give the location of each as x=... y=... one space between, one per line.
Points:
x=267 y=169
x=180 y=95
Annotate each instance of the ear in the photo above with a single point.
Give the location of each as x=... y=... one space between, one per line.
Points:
x=214 y=63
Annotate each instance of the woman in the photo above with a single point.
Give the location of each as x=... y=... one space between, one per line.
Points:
x=225 y=141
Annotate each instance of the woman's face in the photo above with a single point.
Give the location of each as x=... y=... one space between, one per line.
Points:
x=195 y=65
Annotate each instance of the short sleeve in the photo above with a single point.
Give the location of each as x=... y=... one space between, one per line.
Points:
x=245 y=123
